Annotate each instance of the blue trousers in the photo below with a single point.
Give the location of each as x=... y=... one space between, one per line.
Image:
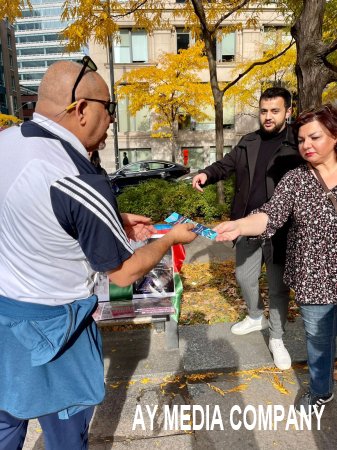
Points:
x=69 y=434
x=320 y=324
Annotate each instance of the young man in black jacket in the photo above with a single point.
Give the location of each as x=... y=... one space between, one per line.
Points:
x=259 y=161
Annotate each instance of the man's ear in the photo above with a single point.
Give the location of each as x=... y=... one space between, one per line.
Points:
x=288 y=112
x=81 y=111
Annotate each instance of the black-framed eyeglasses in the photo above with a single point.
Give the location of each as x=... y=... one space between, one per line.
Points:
x=108 y=105
x=87 y=62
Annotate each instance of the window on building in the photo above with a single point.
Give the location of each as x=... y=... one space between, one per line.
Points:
x=188 y=123
x=28 y=106
x=51 y=61
x=9 y=41
x=11 y=63
x=228 y=114
x=226 y=48
x=31 y=51
x=126 y=122
x=196 y=157
x=131 y=47
x=32 y=64
x=41 y=51
x=274 y=36
x=13 y=83
x=42 y=12
x=207 y=124
x=184 y=122
x=53 y=37
x=31 y=76
x=41 y=2
x=183 y=39
x=45 y=25
x=135 y=154
x=54 y=50
x=212 y=153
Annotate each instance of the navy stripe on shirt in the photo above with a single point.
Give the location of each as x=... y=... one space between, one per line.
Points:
x=86 y=208
x=96 y=203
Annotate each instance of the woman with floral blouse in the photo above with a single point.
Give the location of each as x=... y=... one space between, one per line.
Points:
x=311 y=266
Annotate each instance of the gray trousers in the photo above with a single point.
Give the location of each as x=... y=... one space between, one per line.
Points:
x=250 y=255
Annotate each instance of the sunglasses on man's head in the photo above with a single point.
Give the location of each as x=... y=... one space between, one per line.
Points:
x=87 y=62
x=108 y=105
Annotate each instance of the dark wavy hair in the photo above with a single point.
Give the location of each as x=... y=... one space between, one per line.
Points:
x=326 y=115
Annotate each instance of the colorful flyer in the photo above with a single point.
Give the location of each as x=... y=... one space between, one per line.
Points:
x=159 y=282
x=199 y=229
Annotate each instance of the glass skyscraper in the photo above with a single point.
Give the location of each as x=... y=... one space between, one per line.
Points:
x=39 y=43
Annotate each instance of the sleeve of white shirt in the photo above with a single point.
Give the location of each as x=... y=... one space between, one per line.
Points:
x=87 y=210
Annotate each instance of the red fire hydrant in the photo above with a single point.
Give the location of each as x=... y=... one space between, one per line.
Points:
x=185 y=156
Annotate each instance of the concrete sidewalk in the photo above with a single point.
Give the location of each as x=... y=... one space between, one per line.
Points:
x=213 y=371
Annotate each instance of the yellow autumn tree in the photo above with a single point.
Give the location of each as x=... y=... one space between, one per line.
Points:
x=11 y=9
x=6 y=120
x=170 y=89
x=278 y=72
x=291 y=68
x=100 y=19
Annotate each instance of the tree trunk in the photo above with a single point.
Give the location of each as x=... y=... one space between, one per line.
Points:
x=210 y=47
x=218 y=105
x=173 y=149
x=173 y=142
x=312 y=73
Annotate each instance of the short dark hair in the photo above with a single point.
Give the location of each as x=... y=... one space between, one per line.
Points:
x=277 y=92
x=326 y=115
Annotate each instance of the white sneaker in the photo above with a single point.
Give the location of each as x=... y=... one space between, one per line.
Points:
x=280 y=354
x=247 y=325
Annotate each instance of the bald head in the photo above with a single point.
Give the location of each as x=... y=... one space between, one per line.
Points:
x=87 y=118
x=56 y=87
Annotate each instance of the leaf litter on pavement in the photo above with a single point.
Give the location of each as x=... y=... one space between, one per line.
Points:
x=211 y=294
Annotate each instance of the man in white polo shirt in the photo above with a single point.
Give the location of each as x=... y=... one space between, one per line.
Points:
x=59 y=225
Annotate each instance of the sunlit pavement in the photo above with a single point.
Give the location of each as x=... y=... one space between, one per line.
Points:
x=152 y=394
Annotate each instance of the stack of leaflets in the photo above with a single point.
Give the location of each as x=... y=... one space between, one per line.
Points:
x=114 y=310
x=199 y=229
x=151 y=294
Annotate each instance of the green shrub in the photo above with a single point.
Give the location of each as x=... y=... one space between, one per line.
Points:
x=159 y=198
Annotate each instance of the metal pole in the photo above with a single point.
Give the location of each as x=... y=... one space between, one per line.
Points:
x=11 y=105
x=113 y=98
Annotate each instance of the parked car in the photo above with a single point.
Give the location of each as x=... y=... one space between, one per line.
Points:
x=139 y=171
x=187 y=178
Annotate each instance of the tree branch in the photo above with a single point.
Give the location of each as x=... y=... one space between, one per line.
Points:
x=257 y=63
x=232 y=11
x=331 y=67
x=200 y=13
x=330 y=48
x=130 y=11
